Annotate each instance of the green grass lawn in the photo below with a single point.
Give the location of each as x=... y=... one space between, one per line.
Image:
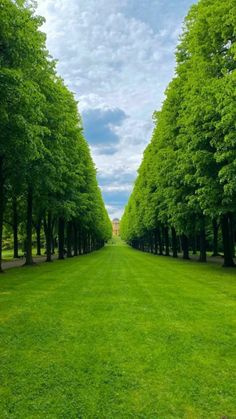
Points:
x=118 y=334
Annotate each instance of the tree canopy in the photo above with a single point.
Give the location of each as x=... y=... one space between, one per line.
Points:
x=186 y=182
x=47 y=176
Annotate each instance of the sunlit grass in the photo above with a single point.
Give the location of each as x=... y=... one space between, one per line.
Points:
x=8 y=255
x=118 y=334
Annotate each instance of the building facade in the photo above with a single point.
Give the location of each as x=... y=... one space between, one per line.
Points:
x=116 y=227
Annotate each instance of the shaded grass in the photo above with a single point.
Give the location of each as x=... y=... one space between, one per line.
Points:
x=118 y=334
x=8 y=255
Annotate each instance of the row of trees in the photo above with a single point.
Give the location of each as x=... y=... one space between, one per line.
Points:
x=185 y=193
x=47 y=177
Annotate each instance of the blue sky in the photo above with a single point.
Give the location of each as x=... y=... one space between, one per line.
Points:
x=117 y=56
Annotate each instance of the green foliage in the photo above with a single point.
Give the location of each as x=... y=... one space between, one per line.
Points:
x=45 y=163
x=188 y=172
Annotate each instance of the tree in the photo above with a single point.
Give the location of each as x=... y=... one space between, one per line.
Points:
x=45 y=162
x=186 y=182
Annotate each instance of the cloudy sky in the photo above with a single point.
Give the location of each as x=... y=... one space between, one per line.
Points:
x=117 y=56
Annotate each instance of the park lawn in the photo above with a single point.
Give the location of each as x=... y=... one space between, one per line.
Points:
x=118 y=334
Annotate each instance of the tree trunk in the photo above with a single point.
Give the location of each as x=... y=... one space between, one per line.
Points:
x=15 y=227
x=75 y=239
x=167 y=242
x=84 y=243
x=1 y=207
x=48 y=235
x=61 y=238
x=180 y=250
x=232 y=228
x=29 y=223
x=69 y=239
x=215 y=237
x=53 y=244
x=155 y=242
x=195 y=244
x=89 y=243
x=160 y=241
x=151 y=241
x=142 y=245
x=203 y=256
x=228 y=257
x=53 y=240
x=174 y=243
x=38 y=234
x=185 y=246
x=80 y=241
x=95 y=244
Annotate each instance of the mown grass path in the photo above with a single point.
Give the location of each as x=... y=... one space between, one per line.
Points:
x=118 y=334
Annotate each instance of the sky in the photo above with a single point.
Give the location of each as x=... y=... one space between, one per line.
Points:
x=117 y=56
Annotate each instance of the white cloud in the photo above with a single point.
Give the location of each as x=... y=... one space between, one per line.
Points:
x=114 y=211
x=117 y=187
x=112 y=57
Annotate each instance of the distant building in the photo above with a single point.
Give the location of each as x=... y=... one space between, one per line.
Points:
x=116 y=227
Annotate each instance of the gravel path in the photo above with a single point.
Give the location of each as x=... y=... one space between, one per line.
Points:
x=17 y=263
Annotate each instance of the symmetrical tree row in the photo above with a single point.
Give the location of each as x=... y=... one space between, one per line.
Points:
x=185 y=193
x=47 y=177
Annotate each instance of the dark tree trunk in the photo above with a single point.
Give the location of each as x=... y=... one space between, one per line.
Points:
x=38 y=234
x=143 y=245
x=61 y=238
x=232 y=228
x=75 y=239
x=53 y=240
x=29 y=223
x=174 y=243
x=155 y=242
x=203 y=256
x=1 y=207
x=48 y=235
x=185 y=246
x=228 y=257
x=80 y=241
x=195 y=244
x=167 y=242
x=15 y=227
x=53 y=244
x=151 y=241
x=89 y=243
x=180 y=250
x=69 y=239
x=215 y=237
x=84 y=243
x=95 y=244
x=160 y=243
